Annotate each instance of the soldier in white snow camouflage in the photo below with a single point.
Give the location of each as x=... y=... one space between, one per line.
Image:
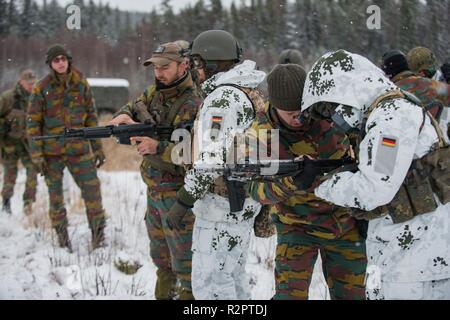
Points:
x=408 y=243
x=221 y=237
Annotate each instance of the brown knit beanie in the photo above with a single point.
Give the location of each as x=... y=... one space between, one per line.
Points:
x=285 y=85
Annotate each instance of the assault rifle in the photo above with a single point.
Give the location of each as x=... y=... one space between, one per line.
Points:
x=122 y=132
x=236 y=175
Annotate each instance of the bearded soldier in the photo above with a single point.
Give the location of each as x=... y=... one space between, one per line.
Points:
x=172 y=101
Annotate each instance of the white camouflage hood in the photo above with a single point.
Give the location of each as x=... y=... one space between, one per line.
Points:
x=243 y=75
x=346 y=79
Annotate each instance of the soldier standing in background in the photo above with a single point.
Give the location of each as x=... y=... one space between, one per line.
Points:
x=13 y=141
x=434 y=95
x=60 y=100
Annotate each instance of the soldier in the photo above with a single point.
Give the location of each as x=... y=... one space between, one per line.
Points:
x=60 y=100
x=221 y=237
x=401 y=183
x=292 y=56
x=307 y=225
x=433 y=94
x=173 y=101
x=14 y=145
x=423 y=62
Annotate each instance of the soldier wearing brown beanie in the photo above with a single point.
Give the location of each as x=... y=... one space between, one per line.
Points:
x=305 y=224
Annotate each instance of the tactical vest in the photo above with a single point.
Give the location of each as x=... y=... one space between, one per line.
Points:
x=16 y=120
x=426 y=177
x=164 y=115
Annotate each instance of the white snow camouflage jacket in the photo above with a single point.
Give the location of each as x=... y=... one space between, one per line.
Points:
x=226 y=111
x=419 y=249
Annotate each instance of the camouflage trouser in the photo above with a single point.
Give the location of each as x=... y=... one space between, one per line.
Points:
x=170 y=250
x=84 y=172
x=343 y=261
x=219 y=259
x=10 y=162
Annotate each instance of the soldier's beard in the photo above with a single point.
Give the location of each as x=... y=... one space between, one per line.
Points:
x=161 y=86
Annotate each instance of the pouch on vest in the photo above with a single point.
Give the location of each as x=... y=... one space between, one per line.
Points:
x=436 y=166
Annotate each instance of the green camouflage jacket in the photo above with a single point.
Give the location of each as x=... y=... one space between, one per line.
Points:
x=176 y=105
x=427 y=90
x=321 y=141
x=13 y=108
x=55 y=105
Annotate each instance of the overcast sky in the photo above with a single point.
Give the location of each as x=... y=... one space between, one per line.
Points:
x=143 y=5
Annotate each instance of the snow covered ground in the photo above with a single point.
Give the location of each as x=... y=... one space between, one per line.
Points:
x=32 y=266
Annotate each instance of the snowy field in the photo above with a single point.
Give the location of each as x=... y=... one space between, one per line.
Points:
x=33 y=267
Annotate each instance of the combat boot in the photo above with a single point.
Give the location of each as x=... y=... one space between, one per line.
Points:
x=7 y=206
x=98 y=238
x=165 y=284
x=63 y=238
x=185 y=294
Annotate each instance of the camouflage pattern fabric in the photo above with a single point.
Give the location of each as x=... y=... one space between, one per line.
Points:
x=221 y=238
x=84 y=172
x=430 y=93
x=10 y=162
x=320 y=140
x=170 y=252
x=14 y=150
x=160 y=102
x=430 y=290
x=343 y=263
x=396 y=133
x=54 y=105
x=305 y=223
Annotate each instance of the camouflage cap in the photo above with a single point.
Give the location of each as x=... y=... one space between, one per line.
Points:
x=27 y=75
x=165 y=54
x=421 y=58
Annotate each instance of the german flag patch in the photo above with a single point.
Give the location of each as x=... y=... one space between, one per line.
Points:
x=389 y=142
x=217 y=119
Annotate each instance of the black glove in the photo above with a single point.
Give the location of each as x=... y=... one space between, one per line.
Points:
x=176 y=214
x=305 y=178
x=446 y=71
x=99 y=158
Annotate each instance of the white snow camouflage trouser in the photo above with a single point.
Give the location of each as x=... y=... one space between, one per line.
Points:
x=425 y=290
x=219 y=257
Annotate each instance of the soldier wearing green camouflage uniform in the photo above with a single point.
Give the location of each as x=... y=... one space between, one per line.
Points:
x=433 y=94
x=13 y=142
x=60 y=100
x=172 y=101
x=305 y=224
